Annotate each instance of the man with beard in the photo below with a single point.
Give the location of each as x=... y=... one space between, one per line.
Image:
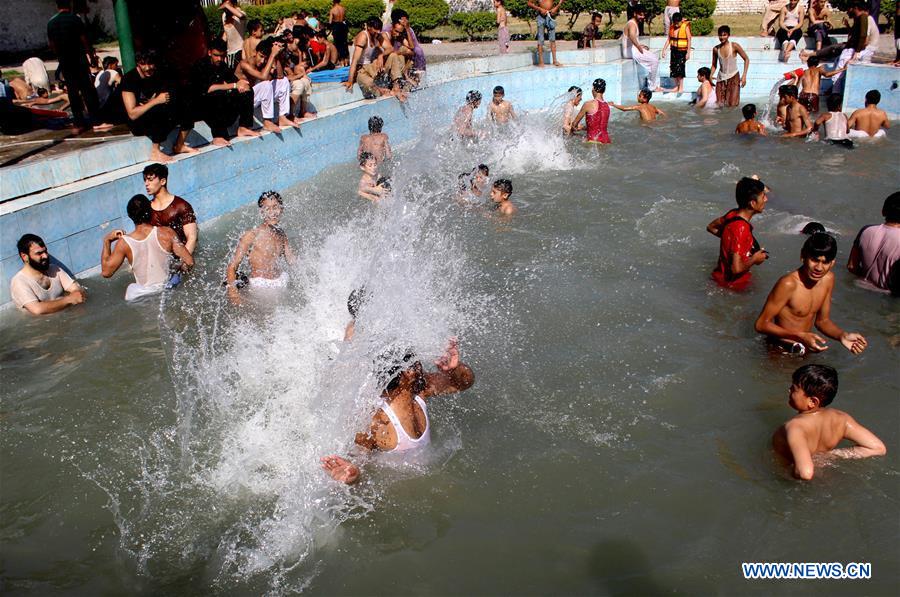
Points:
x=42 y=287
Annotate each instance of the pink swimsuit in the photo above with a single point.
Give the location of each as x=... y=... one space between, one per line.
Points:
x=596 y=124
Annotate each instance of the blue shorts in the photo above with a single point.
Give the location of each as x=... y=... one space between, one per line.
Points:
x=548 y=23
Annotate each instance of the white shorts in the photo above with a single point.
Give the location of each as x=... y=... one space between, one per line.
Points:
x=279 y=282
x=136 y=291
x=857 y=134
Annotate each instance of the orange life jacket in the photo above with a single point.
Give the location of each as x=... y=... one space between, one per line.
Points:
x=678 y=37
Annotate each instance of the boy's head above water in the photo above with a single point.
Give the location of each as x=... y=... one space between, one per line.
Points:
x=499 y=93
x=271 y=206
x=749 y=191
x=367 y=163
x=473 y=98
x=501 y=190
x=873 y=97
x=812 y=62
x=599 y=86
x=575 y=93
x=375 y=124
x=820 y=245
x=703 y=73
x=749 y=111
x=644 y=96
x=724 y=33
x=813 y=386
x=834 y=102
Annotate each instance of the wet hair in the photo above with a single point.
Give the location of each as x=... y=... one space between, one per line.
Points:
x=463 y=181
x=269 y=195
x=473 y=96
x=749 y=111
x=160 y=171
x=384 y=182
x=139 y=210
x=397 y=14
x=873 y=96
x=365 y=157
x=813 y=228
x=599 y=86
x=23 y=245
x=646 y=93
x=504 y=185
x=375 y=124
x=834 y=102
x=724 y=29
x=393 y=363
x=891 y=208
x=747 y=190
x=818 y=381
x=820 y=244
x=789 y=90
x=575 y=89
x=704 y=72
x=109 y=61
x=356 y=299
x=782 y=90
x=812 y=61
x=253 y=25
x=373 y=23
x=483 y=169
x=218 y=45
x=499 y=89
x=146 y=57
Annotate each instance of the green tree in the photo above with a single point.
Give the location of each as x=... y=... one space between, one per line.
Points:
x=699 y=12
x=424 y=14
x=472 y=23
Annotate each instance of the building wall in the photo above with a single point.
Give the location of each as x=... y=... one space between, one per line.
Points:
x=730 y=7
x=23 y=23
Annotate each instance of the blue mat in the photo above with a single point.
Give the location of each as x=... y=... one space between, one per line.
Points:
x=338 y=75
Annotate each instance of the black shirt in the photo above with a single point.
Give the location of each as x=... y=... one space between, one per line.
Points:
x=143 y=88
x=204 y=73
x=64 y=30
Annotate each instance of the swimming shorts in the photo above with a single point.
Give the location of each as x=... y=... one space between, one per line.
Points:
x=858 y=134
x=810 y=101
x=279 y=282
x=136 y=291
x=676 y=63
x=546 y=22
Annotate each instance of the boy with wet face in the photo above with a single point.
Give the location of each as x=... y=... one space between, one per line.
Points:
x=369 y=187
x=802 y=299
x=570 y=110
x=462 y=121
x=500 y=110
x=818 y=429
x=500 y=192
x=264 y=246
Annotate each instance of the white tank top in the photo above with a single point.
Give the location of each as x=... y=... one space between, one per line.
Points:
x=371 y=51
x=404 y=441
x=727 y=64
x=792 y=17
x=836 y=126
x=150 y=262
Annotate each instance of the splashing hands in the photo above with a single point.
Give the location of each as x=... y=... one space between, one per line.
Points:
x=340 y=469
x=450 y=360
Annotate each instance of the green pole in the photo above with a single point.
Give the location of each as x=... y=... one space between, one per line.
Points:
x=123 y=28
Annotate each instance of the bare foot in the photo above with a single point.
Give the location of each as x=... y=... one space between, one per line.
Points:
x=557 y=64
x=271 y=126
x=101 y=128
x=245 y=132
x=185 y=149
x=156 y=155
x=221 y=142
x=309 y=115
x=285 y=121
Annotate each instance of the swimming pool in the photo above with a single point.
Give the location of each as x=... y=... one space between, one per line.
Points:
x=616 y=437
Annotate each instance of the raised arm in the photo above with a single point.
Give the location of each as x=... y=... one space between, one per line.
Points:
x=111 y=259
x=452 y=376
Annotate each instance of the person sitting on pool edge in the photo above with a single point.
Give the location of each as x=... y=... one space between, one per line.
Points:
x=802 y=298
x=401 y=423
x=42 y=287
x=738 y=249
x=817 y=429
x=264 y=246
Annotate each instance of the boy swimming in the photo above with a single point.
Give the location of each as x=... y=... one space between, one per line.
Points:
x=375 y=142
x=369 y=187
x=647 y=111
x=802 y=299
x=500 y=192
x=500 y=110
x=462 y=121
x=818 y=429
x=264 y=247
x=750 y=125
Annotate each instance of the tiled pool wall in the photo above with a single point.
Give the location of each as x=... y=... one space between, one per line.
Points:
x=73 y=218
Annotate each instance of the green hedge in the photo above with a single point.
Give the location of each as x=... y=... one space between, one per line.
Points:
x=357 y=12
x=699 y=12
x=474 y=22
x=424 y=14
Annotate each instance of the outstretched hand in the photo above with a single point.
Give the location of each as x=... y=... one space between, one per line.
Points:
x=854 y=342
x=340 y=469
x=450 y=360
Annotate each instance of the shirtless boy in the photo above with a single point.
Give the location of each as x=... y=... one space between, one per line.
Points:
x=738 y=249
x=803 y=298
x=546 y=26
x=569 y=110
x=870 y=121
x=368 y=183
x=401 y=423
x=818 y=429
x=255 y=34
x=810 y=83
x=750 y=125
x=647 y=111
x=500 y=192
x=264 y=247
x=796 y=117
x=462 y=122
x=375 y=143
x=500 y=110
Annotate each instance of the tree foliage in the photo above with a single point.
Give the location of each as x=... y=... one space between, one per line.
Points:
x=270 y=14
x=472 y=23
x=424 y=14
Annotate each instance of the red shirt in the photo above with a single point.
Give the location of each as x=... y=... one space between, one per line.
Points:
x=737 y=237
x=175 y=216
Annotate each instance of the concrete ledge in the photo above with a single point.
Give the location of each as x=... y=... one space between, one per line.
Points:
x=863 y=77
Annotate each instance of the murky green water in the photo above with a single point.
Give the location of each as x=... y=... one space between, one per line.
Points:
x=616 y=440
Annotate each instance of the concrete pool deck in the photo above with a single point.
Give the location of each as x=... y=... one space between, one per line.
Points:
x=74 y=199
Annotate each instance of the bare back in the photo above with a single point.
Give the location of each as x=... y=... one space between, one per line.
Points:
x=823 y=430
x=811 y=80
x=336 y=14
x=869 y=119
x=376 y=144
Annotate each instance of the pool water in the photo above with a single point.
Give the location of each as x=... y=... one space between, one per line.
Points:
x=616 y=438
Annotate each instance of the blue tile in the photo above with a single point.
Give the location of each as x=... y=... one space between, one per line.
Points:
x=9 y=234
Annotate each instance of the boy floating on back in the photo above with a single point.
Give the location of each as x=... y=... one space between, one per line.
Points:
x=818 y=429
